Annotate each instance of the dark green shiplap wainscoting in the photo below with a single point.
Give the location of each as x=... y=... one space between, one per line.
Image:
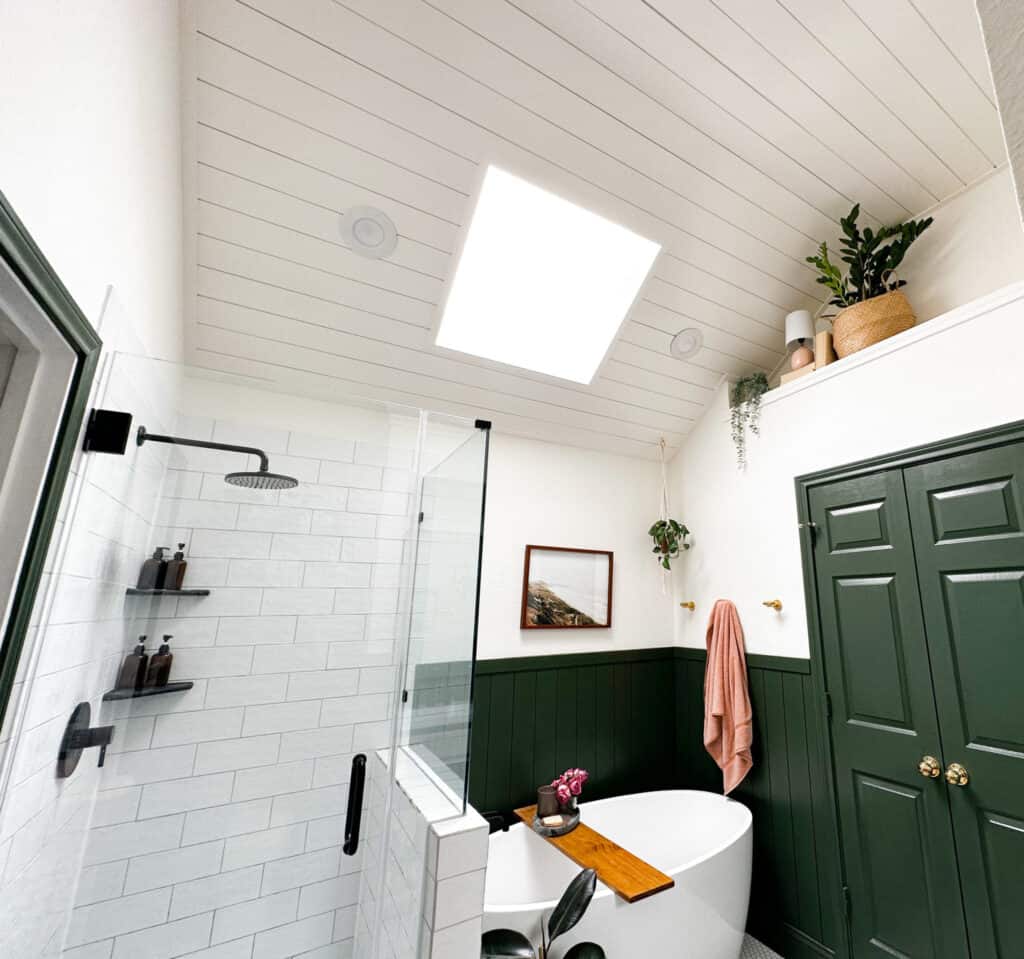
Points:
x=635 y=720
x=610 y=713
x=796 y=902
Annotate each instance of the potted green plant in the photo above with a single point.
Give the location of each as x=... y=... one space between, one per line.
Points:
x=510 y=944
x=669 y=538
x=745 y=411
x=871 y=305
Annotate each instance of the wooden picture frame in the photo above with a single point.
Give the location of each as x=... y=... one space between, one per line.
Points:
x=543 y=608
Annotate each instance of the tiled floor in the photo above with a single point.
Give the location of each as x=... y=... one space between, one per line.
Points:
x=752 y=949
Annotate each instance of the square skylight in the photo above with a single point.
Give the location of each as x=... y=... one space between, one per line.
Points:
x=542 y=283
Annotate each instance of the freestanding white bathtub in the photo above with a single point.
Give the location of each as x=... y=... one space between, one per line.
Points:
x=702 y=840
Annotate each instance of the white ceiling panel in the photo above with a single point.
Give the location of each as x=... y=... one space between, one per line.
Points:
x=731 y=132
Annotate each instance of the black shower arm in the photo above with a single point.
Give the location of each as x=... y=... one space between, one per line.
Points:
x=143 y=437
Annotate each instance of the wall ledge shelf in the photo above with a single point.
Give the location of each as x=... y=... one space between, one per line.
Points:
x=118 y=694
x=135 y=591
x=942 y=323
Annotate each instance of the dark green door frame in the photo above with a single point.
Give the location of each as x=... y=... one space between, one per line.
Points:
x=914 y=456
x=26 y=261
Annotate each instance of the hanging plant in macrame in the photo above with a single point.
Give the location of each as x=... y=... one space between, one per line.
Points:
x=745 y=411
x=669 y=536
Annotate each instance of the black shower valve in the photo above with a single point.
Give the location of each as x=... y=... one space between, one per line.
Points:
x=92 y=737
x=79 y=736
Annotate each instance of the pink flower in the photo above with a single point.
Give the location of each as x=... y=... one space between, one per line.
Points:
x=570 y=784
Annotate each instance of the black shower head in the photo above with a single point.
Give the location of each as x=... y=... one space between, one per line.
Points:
x=261 y=480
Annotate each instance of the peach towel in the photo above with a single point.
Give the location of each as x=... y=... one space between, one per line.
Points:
x=728 y=733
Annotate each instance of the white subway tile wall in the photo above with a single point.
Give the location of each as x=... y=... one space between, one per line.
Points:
x=80 y=629
x=220 y=815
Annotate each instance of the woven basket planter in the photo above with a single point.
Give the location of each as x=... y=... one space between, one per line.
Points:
x=871 y=321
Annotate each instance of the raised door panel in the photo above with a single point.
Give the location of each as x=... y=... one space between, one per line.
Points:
x=895 y=826
x=985 y=626
x=858 y=527
x=1002 y=840
x=973 y=512
x=893 y=823
x=871 y=642
x=968 y=523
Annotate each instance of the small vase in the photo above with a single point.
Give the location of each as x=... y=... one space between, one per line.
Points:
x=568 y=808
x=547 y=802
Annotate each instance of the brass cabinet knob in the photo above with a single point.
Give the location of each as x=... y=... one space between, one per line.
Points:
x=775 y=604
x=690 y=605
x=956 y=775
x=929 y=767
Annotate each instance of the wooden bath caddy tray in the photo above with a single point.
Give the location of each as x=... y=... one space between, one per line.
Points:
x=621 y=871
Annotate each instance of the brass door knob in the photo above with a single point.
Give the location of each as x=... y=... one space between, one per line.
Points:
x=956 y=775
x=929 y=767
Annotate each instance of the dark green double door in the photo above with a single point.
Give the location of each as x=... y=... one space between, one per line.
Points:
x=920 y=585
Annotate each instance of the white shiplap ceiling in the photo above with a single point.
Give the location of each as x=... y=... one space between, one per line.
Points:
x=733 y=132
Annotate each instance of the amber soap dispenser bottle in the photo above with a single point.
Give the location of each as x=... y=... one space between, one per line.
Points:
x=176 y=567
x=160 y=664
x=154 y=571
x=133 y=670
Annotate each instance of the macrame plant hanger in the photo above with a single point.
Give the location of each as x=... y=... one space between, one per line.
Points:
x=664 y=514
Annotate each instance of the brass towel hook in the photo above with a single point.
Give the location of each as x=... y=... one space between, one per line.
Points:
x=775 y=604
x=690 y=605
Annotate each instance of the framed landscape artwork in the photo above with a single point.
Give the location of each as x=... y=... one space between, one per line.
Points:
x=566 y=588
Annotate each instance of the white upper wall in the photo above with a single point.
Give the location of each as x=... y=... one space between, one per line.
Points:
x=90 y=151
x=975 y=246
x=1003 y=29
x=952 y=376
x=551 y=495
x=955 y=376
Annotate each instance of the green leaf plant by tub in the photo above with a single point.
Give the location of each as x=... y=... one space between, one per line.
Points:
x=745 y=411
x=509 y=944
x=669 y=538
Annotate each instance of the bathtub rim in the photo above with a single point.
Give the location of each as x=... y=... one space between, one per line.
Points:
x=604 y=891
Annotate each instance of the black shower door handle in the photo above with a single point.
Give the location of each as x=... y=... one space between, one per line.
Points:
x=354 y=815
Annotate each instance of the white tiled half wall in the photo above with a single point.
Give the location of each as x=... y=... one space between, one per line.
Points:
x=218 y=826
x=424 y=869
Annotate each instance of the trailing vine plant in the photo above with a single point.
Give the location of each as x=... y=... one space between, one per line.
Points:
x=745 y=403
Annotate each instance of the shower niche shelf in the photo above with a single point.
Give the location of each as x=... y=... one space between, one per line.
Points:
x=135 y=591
x=116 y=694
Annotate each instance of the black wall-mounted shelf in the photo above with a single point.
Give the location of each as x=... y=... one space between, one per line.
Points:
x=135 y=591
x=116 y=694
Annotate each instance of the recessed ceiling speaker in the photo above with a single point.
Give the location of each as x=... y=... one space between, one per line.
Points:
x=369 y=232
x=686 y=344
